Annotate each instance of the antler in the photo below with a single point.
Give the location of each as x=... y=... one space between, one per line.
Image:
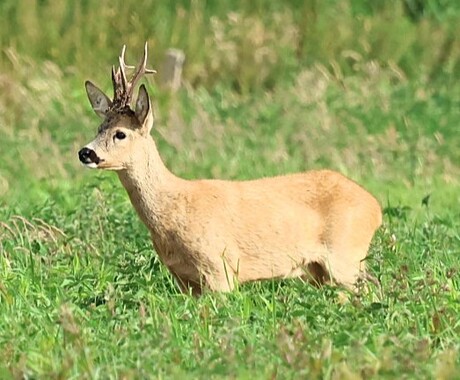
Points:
x=122 y=88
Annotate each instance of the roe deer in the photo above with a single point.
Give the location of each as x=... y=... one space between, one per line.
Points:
x=212 y=233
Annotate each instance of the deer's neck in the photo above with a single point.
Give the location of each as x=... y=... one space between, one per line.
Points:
x=150 y=186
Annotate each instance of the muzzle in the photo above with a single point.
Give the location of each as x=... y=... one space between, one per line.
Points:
x=88 y=156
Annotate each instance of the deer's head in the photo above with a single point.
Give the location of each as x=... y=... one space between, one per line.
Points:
x=123 y=132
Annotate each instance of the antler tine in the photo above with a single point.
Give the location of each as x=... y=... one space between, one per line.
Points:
x=117 y=86
x=123 y=89
x=123 y=67
x=144 y=63
x=141 y=69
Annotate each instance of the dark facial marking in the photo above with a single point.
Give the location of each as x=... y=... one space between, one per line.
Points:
x=126 y=117
x=88 y=156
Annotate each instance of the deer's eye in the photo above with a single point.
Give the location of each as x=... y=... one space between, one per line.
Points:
x=119 y=135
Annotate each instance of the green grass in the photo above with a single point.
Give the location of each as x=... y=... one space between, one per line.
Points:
x=367 y=88
x=91 y=300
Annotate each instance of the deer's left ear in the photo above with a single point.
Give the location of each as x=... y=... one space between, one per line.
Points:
x=144 y=109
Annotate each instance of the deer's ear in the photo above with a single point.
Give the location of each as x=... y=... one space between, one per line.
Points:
x=99 y=101
x=144 y=110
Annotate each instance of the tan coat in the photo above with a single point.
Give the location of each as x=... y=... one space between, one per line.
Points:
x=212 y=233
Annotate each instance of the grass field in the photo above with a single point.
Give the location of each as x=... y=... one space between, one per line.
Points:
x=369 y=89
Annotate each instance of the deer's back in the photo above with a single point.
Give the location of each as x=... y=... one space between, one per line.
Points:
x=303 y=196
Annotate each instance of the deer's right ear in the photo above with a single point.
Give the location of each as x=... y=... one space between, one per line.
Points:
x=99 y=101
x=143 y=110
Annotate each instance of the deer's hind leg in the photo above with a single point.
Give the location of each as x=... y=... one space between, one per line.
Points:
x=348 y=244
x=344 y=271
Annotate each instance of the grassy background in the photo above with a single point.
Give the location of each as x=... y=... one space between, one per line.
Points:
x=367 y=88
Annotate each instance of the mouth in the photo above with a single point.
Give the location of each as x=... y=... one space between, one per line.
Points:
x=91 y=165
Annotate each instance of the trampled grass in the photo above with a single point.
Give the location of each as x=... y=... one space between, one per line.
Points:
x=369 y=90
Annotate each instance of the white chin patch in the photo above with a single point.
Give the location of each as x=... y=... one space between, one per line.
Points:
x=91 y=165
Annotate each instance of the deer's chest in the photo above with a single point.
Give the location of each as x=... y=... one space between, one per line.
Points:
x=177 y=257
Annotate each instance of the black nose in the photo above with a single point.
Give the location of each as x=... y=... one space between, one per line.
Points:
x=88 y=156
